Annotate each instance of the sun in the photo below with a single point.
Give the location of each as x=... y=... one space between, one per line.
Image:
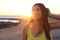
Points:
x=27 y=14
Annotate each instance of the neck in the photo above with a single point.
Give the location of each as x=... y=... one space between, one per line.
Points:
x=37 y=27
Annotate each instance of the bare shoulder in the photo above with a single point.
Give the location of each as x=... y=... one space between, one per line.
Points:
x=26 y=27
x=25 y=32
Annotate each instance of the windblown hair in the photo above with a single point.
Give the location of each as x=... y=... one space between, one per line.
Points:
x=44 y=19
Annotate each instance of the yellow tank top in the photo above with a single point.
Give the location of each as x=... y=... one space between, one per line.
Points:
x=31 y=37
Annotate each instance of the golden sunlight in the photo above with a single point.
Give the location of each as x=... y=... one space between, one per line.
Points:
x=23 y=7
x=15 y=7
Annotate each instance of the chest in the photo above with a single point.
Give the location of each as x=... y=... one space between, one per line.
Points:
x=36 y=23
x=40 y=37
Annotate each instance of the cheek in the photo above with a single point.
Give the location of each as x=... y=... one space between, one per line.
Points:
x=36 y=14
x=39 y=14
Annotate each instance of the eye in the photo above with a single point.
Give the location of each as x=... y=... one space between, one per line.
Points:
x=36 y=9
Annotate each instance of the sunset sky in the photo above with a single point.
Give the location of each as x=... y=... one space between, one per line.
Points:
x=23 y=7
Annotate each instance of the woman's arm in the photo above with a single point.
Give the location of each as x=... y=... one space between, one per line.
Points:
x=55 y=25
x=25 y=33
x=54 y=16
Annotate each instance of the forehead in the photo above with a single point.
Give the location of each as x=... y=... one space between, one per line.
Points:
x=36 y=6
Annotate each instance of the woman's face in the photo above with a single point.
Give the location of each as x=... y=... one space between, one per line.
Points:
x=36 y=12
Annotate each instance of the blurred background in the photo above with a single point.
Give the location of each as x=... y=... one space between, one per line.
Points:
x=14 y=16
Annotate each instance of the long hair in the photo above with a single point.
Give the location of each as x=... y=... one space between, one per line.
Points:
x=44 y=20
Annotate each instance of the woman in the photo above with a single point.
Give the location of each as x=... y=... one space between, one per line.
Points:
x=39 y=28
